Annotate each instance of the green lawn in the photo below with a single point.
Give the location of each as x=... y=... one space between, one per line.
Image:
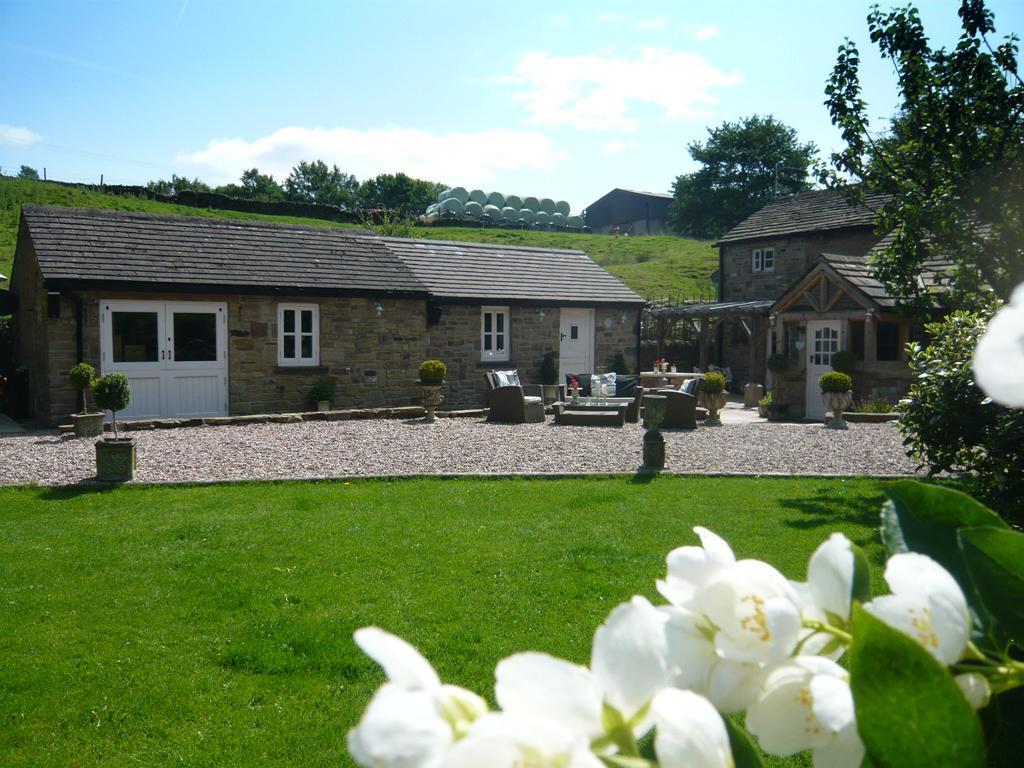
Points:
x=655 y=267
x=211 y=626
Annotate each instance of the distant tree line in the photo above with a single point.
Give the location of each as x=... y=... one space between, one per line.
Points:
x=316 y=182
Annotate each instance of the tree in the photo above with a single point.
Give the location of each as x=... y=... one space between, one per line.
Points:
x=398 y=192
x=254 y=186
x=746 y=165
x=952 y=157
x=316 y=183
x=27 y=172
x=177 y=184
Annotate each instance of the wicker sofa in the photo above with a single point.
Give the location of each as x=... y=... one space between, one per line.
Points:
x=625 y=386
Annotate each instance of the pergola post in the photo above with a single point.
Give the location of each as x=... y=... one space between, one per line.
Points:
x=755 y=334
x=702 y=342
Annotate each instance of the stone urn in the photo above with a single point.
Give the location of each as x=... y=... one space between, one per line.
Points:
x=714 y=402
x=654 y=442
x=115 y=459
x=432 y=397
x=88 y=424
x=323 y=405
x=837 y=402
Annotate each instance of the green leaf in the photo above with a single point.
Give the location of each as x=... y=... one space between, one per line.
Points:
x=910 y=711
x=995 y=561
x=861 y=575
x=744 y=753
x=621 y=761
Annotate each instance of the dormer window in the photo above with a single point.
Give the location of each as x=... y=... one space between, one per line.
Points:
x=763 y=260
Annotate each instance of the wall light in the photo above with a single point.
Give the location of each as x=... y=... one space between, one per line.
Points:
x=378 y=309
x=540 y=314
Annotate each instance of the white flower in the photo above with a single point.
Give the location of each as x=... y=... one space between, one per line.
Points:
x=690 y=568
x=927 y=604
x=413 y=719
x=999 y=356
x=690 y=732
x=975 y=688
x=806 y=703
x=503 y=740
x=628 y=667
x=830 y=576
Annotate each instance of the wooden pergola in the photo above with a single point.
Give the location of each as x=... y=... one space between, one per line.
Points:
x=705 y=317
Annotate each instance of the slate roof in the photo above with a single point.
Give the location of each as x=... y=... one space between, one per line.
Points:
x=857 y=271
x=814 y=211
x=100 y=246
x=458 y=270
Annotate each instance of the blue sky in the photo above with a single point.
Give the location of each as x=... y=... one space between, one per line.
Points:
x=563 y=100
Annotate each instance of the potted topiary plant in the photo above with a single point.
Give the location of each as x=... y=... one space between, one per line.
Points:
x=844 y=361
x=115 y=456
x=764 y=403
x=87 y=423
x=322 y=394
x=549 y=377
x=432 y=373
x=713 y=397
x=777 y=363
x=837 y=392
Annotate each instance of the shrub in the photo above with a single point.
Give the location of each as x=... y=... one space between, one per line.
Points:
x=713 y=383
x=951 y=426
x=548 y=369
x=81 y=377
x=619 y=365
x=113 y=394
x=777 y=363
x=767 y=400
x=323 y=390
x=843 y=361
x=834 y=381
x=432 y=371
x=875 y=405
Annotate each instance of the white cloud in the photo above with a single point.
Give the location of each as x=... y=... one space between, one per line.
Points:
x=469 y=159
x=592 y=92
x=614 y=147
x=611 y=17
x=19 y=137
x=707 y=32
x=658 y=23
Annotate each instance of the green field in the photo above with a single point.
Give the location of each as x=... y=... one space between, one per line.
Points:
x=211 y=626
x=655 y=267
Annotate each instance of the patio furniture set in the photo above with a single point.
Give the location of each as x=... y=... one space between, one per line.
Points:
x=510 y=401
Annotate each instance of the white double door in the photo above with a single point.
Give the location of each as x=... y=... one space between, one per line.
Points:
x=576 y=345
x=173 y=353
x=822 y=343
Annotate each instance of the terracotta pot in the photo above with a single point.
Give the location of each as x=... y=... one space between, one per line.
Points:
x=115 y=459
x=88 y=424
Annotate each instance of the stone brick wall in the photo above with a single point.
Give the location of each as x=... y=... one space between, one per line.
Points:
x=31 y=325
x=793 y=257
x=615 y=330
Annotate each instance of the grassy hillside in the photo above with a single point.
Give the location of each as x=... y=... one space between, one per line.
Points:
x=655 y=267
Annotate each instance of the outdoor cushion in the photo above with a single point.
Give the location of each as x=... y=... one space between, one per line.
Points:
x=625 y=386
x=689 y=387
x=609 y=383
x=531 y=399
x=583 y=379
x=506 y=378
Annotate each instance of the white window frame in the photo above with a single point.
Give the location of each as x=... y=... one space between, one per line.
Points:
x=755 y=260
x=491 y=354
x=759 y=260
x=298 y=361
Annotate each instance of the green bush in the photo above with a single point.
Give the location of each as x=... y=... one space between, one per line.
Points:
x=875 y=405
x=714 y=383
x=619 y=365
x=777 y=363
x=834 y=381
x=767 y=400
x=548 y=369
x=951 y=426
x=432 y=371
x=113 y=394
x=81 y=377
x=843 y=361
x=323 y=390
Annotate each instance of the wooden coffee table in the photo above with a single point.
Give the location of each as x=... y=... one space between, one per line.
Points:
x=607 y=412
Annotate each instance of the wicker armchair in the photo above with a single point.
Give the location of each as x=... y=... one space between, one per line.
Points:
x=513 y=403
x=681 y=407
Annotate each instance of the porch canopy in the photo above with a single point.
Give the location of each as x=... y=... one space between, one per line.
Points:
x=705 y=317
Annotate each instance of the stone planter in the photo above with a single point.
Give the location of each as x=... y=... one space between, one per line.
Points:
x=432 y=398
x=115 y=459
x=654 y=443
x=714 y=402
x=837 y=402
x=323 y=405
x=551 y=393
x=88 y=424
x=762 y=411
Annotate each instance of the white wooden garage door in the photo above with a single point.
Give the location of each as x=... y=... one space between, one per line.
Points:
x=174 y=355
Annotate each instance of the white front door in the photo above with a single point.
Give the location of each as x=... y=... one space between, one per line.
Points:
x=576 y=345
x=174 y=355
x=822 y=343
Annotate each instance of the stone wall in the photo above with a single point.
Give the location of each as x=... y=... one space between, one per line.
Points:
x=31 y=326
x=615 y=330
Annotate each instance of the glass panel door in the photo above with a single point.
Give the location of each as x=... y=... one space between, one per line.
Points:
x=195 y=337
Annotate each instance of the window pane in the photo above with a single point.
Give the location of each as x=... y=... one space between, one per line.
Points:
x=888 y=346
x=195 y=336
x=487 y=343
x=289 y=347
x=307 y=347
x=499 y=342
x=289 y=321
x=307 y=321
x=487 y=322
x=574 y=332
x=499 y=318
x=135 y=337
x=857 y=338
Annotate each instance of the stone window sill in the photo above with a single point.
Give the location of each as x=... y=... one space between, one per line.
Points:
x=496 y=364
x=301 y=369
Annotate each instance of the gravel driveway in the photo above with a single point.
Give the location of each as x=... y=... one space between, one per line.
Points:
x=318 y=449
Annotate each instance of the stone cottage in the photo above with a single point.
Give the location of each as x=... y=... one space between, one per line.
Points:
x=210 y=317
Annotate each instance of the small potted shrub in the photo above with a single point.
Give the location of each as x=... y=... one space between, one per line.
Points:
x=713 y=397
x=87 y=423
x=844 y=361
x=764 y=403
x=777 y=363
x=549 y=377
x=432 y=373
x=837 y=392
x=115 y=456
x=322 y=394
